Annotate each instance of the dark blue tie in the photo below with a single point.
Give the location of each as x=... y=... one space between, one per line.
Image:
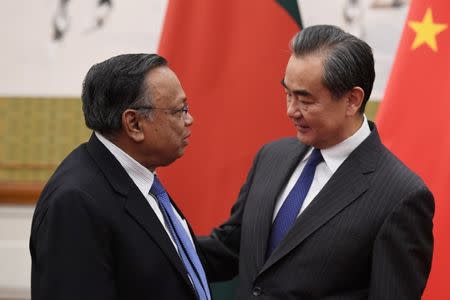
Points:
x=289 y=210
x=185 y=247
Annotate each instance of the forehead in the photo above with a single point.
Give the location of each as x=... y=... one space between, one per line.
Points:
x=164 y=86
x=304 y=70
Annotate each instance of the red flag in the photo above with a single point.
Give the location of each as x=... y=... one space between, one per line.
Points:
x=413 y=119
x=230 y=57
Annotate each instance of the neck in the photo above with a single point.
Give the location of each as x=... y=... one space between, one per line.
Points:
x=351 y=128
x=355 y=124
x=129 y=147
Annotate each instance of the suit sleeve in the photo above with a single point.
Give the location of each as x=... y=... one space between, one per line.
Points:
x=221 y=248
x=403 y=250
x=71 y=259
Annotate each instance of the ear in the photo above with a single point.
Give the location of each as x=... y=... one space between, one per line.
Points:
x=355 y=99
x=132 y=125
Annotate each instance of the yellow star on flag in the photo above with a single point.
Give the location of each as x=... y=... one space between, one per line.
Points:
x=426 y=31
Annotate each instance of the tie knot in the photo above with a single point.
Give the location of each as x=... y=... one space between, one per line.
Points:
x=157 y=188
x=315 y=158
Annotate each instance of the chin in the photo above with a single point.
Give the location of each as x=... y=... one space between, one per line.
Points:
x=303 y=139
x=170 y=161
x=180 y=153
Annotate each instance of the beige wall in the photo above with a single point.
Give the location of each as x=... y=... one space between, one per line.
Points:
x=15 y=261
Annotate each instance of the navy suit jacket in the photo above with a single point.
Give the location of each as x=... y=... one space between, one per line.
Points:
x=366 y=235
x=94 y=236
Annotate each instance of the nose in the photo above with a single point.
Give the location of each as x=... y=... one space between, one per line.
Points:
x=293 y=110
x=188 y=119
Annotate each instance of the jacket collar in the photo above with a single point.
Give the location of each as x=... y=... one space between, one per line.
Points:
x=333 y=197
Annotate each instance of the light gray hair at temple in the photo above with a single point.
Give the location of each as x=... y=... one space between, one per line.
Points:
x=348 y=60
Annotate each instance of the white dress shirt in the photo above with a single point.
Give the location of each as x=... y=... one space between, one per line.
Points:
x=143 y=178
x=333 y=158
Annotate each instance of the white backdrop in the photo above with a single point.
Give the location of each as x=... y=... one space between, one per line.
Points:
x=34 y=65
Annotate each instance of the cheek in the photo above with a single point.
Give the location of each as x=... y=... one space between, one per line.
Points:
x=176 y=131
x=315 y=118
x=321 y=123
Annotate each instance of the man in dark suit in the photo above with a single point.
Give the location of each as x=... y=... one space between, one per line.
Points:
x=104 y=226
x=332 y=213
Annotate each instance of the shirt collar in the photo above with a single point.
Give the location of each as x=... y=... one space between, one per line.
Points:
x=140 y=175
x=337 y=154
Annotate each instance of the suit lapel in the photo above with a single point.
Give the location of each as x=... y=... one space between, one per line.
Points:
x=136 y=205
x=138 y=208
x=345 y=186
x=270 y=192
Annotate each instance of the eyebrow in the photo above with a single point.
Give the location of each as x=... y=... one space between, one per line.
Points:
x=300 y=92
x=184 y=100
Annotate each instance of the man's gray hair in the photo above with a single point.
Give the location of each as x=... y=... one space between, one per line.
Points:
x=348 y=61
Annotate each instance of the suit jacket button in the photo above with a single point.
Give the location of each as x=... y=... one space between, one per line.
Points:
x=257 y=291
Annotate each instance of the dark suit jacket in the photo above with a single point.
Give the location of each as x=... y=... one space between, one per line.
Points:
x=94 y=236
x=366 y=235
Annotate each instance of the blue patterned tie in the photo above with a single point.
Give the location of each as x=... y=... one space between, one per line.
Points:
x=185 y=247
x=289 y=210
